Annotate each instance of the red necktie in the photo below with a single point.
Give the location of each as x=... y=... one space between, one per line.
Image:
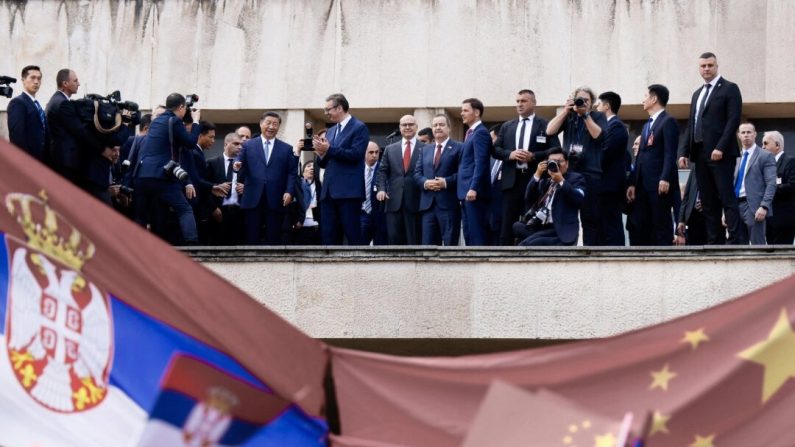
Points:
x=437 y=156
x=407 y=157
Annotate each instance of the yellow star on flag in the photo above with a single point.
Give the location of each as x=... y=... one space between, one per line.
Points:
x=658 y=423
x=703 y=441
x=776 y=354
x=695 y=338
x=661 y=378
x=606 y=440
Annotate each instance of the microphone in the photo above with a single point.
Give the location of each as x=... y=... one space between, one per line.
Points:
x=393 y=134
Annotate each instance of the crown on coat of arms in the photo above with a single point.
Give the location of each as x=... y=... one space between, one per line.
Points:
x=221 y=399
x=48 y=231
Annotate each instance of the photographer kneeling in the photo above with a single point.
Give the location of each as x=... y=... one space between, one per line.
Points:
x=554 y=197
x=159 y=179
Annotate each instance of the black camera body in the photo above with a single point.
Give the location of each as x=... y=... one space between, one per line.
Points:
x=536 y=217
x=579 y=102
x=5 y=86
x=309 y=133
x=552 y=166
x=190 y=100
x=173 y=168
x=105 y=115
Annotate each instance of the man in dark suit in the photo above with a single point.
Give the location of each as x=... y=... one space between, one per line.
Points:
x=75 y=153
x=754 y=185
x=520 y=144
x=710 y=140
x=473 y=181
x=690 y=229
x=582 y=139
x=396 y=186
x=341 y=154
x=269 y=170
x=655 y=182
x=436 y=175
x=202 y=190
x=154 y=186
x=27 y=123
x=221 y=172
x=374 y=222
x=781 y=225
x=615 y=161
x=556 y=199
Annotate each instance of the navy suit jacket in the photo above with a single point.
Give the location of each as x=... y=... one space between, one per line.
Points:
x=344 y=162
x=399 y=184
x=269 y=181
x=565 y=205
x=156 y=151
x=721 y=119
x=657 y=161
x=473 y=170
x=25 y=129
x=448 y=169
x=615 y=157
x=506 y=143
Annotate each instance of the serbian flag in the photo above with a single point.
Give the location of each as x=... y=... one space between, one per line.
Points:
x=112 y=337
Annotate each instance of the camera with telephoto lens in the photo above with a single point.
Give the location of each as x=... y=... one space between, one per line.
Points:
x=105 y=116
x=190 y=100
x=125 y=166
x=126 y=190
x=308 y=137
x=173 y=168
x=552 y=166
x=5 y=86
x=579 y=102
x=536 y=218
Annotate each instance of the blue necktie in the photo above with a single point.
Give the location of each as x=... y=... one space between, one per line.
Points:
x=646 y=131
x=42 y=116
x=740 y=175
x=337 y=130
x=267 y=143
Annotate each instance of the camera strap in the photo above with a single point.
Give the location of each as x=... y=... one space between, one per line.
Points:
x=171 y=138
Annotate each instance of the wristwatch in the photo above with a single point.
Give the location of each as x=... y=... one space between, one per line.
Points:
x=586 y=115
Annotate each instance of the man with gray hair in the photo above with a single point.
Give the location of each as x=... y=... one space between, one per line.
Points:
x=781 y=225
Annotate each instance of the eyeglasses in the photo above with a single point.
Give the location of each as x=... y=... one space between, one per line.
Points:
x=329 y=109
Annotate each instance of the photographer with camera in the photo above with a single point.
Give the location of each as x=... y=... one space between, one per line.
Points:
x=160 y=180
x=583 y=143
x=77 y=154
x=554 y=197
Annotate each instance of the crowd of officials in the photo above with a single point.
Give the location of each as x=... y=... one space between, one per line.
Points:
x=528 y=181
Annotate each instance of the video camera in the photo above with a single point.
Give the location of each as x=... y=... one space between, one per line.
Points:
x=190 y=100
x=5 y=86
x=105 y=115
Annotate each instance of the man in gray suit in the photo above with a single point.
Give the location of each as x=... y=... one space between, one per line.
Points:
x=754 y=185
x=395 y=184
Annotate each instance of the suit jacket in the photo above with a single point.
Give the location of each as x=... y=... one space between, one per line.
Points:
x=760 y=181
x=267 y=181
x=565 y=205
x=448 y=168
x=399 y=184
x=473 y=169
x=25 y=129
x=688 y=197
x=784 y=199
x=344 y=162
x=615 y=157
x=657 y=161
x=721 y=119
x=540 y=142
x=156 y=151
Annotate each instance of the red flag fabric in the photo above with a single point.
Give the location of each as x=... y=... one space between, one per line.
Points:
x=721 y=377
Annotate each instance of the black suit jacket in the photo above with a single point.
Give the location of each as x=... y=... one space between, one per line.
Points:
x=657 y=161
x=784 y=200
x=688 y=198
x=72 y=144
x=721 y=119
x=615 y=157
x=403 y=191
x=25 y=129
x=506 y=143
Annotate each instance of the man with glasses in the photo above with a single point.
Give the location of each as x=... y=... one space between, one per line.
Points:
x=396 y=185
x=341 y=154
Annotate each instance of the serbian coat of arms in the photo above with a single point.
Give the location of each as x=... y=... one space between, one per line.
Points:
x=58 y=324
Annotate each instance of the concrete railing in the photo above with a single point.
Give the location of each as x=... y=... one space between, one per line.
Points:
x=489 y=293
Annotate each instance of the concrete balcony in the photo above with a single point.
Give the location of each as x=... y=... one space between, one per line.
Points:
x=451 y=300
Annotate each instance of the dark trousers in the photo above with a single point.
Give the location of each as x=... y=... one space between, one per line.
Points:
x=716 y=186
x=655 y=218
x=589 y=212
x=441 y=227
x=539 y=237
x=374 y=227
x=476 y=215
x=611 y=225
x=780 y=235
x=696 y=229
x=307 y=235
x=341 y=217
x=231 y=230
x=253 y=219
x=513 y=206
x=403 y=227
x=154 y=193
